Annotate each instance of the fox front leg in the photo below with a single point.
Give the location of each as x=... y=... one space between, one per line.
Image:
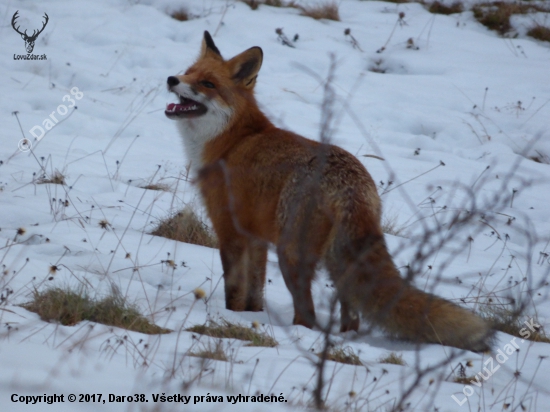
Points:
x=244 y=263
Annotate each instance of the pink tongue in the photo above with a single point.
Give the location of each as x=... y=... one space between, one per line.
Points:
x=174 y=108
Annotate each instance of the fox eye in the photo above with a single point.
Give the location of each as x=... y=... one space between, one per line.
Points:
x=208 y=84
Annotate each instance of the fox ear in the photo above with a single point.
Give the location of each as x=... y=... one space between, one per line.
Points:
x=245 y=66
x=209 y=48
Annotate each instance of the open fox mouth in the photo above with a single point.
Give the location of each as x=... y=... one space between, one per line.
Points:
x=185 y=108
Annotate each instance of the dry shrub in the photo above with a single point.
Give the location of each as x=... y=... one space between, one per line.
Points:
x=70 y=307
x=540 y=32
x=226 y=329
x=343 y=355
x=186 y=226
x=327 y=11
x=56 y=178
x=439 y=8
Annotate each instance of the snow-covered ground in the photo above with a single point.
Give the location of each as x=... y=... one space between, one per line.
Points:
x=462 y=111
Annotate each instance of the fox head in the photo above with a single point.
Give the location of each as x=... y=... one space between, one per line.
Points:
x=212 y=94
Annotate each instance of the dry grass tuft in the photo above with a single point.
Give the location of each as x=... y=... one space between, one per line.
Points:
x=343 y=355
x=57 y=178
x=186 y=226
x=212 y=351
x=496 y=15
x=508 y=320
x=161 y=187
x=226 y=329
x=466 y=380
x=180 y=14
x=393 y=359
x=104 y=224
x=327 y=11
x=461 y=377
x=70 y=307
x=390 y=227
x=377 y=66
x=254 y=4
x=439 y=8
x=541 y=158
x=540 y=32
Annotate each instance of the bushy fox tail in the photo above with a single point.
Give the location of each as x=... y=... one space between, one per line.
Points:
x=374 y=287
x=409 y=313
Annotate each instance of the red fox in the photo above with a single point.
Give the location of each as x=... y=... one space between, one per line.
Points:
x=315 y=202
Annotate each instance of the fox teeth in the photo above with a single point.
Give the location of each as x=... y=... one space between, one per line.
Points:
x=180 y=108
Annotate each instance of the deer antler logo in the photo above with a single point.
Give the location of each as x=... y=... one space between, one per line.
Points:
x=29 y=40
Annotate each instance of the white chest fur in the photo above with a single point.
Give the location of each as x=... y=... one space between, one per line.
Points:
x=198 y=131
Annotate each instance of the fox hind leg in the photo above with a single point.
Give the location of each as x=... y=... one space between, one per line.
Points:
x=257 y=261
x=298 y=276
x=349 y=316
x=306 y=226
x=299 y=250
